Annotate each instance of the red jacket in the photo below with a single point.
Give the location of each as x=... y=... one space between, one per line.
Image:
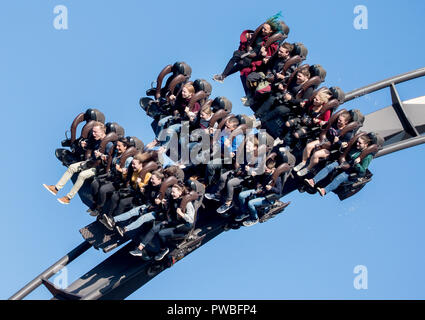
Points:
x=255 y=64
x=243 y=41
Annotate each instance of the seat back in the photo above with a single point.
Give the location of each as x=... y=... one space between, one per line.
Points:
x=283 y=168
x=116 y=128
x=136 y=142
x=351 y=143
x=130 y=152
x=221 y=103
x=149 y=167
x=202 y=85
x=167 y=69
x=217 y=117
x=110 y=137
x=197 y=97
x=331 y=121
x=179 y=79
x=168 y=182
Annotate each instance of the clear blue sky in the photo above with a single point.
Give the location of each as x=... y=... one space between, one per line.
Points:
x=108 y=58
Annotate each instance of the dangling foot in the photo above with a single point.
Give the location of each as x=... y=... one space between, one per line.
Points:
x=310 y=182
x=51 y=189
x=162 y=254
x=121 y=231
x=224 y=208
x=299 y=166
x=218 y=78
x=64 y=200
x=303 y=172
x=321 y=191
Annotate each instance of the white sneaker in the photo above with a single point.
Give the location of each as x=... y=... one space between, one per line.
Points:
x=299 y=166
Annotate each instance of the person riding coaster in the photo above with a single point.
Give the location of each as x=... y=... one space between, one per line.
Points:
x=177 y=220
x=267 y=184
x=277 y=70
x=104 y=185
x=145 y=212
x=136 y=178
x=316 y=115
x=352 y=165
x=77 y=152
x=339 y=131
x=96 y=154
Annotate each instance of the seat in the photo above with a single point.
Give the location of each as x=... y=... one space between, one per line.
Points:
x=221 y=103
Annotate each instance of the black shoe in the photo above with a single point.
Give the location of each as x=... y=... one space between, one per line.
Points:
x=212 y=196
x=120 y=231
x=93 y=213
x=224 y=208
x=241 y=217
x=162 y=254
x=136 y=252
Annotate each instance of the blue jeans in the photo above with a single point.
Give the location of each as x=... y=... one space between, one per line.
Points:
x=252 y=206
x=160 y=125
x=339 y=179
x=129 y=214
x=146 y=217
x=242 y=197
x=171 y=131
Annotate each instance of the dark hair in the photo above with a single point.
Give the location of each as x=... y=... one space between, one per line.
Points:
x=305 y=72
x=179 y=185
x=288 y=46
x=366 y=139
x=124 y=141
x=270 y=163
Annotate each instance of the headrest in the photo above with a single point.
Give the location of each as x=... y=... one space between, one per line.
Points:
x=115 y=127
x=110 y=137
x=277 y=37
x=284 y=167
x=192 y=196
x=202 y=84
x=337 y=93
x=316 y=70
x=244 y=119
x=130 y=152
x=357 y=116
x=220 y=114
x=177 y=82
x=196 y=97
x=168 y=182
x=149 y=167
x=182 y=68
x=94 y=114
x=284 y=27
x=299 y=50
x=376 y=139
x=136 y=142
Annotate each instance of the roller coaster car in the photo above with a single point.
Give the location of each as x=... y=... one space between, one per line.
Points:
x=161 y=104
x=179 y=68
x=76 y=153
